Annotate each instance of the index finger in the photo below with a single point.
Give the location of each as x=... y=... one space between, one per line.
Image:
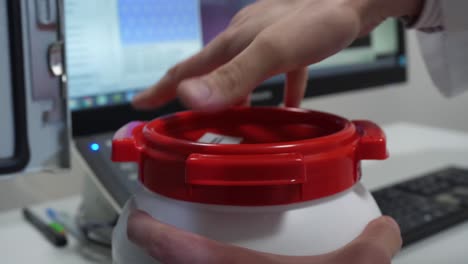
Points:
x=219 y=51
x=232 y=82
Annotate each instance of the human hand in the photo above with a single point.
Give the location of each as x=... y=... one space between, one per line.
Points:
x=378 y=243
x=267 y=38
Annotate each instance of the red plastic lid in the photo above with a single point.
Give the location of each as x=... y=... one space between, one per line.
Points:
x=249 y=156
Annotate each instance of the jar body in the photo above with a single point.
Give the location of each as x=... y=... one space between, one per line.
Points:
x=306 y=228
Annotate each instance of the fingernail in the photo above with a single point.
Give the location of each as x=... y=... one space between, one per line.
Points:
x=391 y=222
x=139 y=100
x=137 y=97
x=194 y=92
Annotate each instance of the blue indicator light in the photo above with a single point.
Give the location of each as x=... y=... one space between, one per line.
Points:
x=94 y=147
x=402 y=61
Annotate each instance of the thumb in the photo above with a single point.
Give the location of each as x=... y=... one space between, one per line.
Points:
x=165 y=243
x=378 y=243
x=168 y=244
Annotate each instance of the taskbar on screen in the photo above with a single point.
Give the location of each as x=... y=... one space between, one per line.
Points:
x=101 y=100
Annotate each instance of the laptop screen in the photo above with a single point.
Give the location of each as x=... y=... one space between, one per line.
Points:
x=115 y=48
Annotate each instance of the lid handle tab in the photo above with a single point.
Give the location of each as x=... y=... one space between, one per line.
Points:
x=124 y=143
x=373 y=143
x=245 y=170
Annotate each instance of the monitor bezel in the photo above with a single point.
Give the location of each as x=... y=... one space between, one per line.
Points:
x=106 y=119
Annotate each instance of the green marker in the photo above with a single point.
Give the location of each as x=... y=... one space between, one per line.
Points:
x=57 y=227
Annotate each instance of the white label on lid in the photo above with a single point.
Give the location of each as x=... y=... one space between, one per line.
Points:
x=211 y=138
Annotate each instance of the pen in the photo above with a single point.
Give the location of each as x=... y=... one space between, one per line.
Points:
x=66 y=221
x=56 y=238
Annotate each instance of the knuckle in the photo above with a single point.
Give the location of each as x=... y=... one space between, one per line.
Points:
x=265 y=42
x=241 y=16
x=229 y=79
x=228 y=41
x=266 y=45
x=227 y=37
x=174 y=72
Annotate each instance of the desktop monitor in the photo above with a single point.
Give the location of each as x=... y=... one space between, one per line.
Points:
x=116 y=48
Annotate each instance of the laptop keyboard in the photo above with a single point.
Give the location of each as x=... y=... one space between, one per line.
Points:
x=120 y=179
x=422 y=206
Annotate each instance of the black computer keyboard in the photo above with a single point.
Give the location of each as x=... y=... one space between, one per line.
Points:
x=428 y=204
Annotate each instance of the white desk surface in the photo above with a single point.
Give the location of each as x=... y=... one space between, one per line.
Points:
x=413 y=149
x=20 y=242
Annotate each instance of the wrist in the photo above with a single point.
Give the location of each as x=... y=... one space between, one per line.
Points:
x=374 y=12
x=388 y=8
x=409 y=8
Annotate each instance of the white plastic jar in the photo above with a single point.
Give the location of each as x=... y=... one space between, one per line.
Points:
x=291 y=191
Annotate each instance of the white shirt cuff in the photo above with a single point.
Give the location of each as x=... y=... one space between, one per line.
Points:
x=430 y=19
